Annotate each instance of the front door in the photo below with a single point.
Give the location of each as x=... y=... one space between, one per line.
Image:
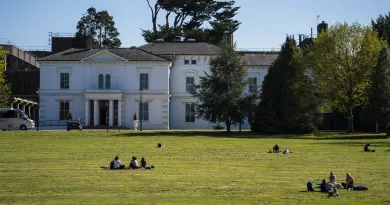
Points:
x=103 y=111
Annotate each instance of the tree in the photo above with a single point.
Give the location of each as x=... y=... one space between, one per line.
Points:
x=224 y=22
x=220 y=91
x=382 y=26
x=288 y=102
x=188 y=20
x=100 y=27
x=341 y=61
x=5 y=88
x=379 y=88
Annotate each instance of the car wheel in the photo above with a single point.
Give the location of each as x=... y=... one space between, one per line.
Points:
x=23 y=127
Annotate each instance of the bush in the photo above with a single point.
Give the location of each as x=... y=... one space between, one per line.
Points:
x=135 y=117
x=218 y=127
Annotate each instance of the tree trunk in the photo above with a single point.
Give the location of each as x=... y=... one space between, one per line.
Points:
x=227 y=125
x=376 y=126
x=350 y=120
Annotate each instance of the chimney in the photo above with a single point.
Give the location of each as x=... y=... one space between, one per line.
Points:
x=89 y=43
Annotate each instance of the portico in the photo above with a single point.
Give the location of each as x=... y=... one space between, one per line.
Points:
x=103 y=108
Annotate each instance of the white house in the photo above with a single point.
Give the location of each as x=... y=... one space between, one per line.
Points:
x=102 y=86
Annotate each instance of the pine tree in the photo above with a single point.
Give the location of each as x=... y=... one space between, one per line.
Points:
x=220 y=91
x=5 y=88
x=100 y=27
x=288 y=103
x=379 y=89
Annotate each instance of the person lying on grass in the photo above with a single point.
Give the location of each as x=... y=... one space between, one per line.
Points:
x=325 y=187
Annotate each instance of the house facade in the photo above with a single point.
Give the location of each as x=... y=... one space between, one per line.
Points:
x=102 y=86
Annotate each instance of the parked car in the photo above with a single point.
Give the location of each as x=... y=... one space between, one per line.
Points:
x=73 y=125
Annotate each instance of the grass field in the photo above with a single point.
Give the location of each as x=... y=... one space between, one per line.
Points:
x=194 y=167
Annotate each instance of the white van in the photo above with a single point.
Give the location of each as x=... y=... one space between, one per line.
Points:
x=14 y=119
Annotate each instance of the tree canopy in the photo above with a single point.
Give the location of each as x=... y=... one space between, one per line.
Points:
x=288 y=102
x=220 y=92
x=5 y=88
x=382 y=26
x=189 y=17
x=341 y=61
x=100 y=27
x=379 y=90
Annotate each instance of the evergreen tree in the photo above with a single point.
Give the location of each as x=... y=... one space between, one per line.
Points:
x=100 y=27
x=288 y=103
x=382 y=26
x=220 y=91
x=5 y=88
x=379 y=89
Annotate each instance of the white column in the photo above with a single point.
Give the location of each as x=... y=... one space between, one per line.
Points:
x=111 y=113
x=86 y=120
x=95 y=112
x=120 y=112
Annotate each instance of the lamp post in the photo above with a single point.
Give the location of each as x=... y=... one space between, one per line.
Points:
x=141 y=108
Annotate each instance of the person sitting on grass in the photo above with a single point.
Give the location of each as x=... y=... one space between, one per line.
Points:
x=286 y=151
x=276 y=149
x=332 y=179
x=325 y=187
x=116 y=164
x=349 y=182
x=366 y=149
x=133 y=163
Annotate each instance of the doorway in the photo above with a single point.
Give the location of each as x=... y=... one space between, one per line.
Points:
x=103 y=112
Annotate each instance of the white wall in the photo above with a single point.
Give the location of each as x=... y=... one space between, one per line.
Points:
x=125 y=78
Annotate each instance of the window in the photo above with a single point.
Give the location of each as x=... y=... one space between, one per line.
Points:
x=144 y=111
x=190 y=84
x=252 y=84
x=186 y=62
x=190 y=112
x=101 y=81
x=193 y=62
x=64 y=110
x=108 y=81
x=64 y=81
x=144 y=81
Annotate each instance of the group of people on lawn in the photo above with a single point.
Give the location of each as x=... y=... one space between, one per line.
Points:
x=117 y=164
x=331 y=186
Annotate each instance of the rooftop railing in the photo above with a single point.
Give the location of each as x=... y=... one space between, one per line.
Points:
x=258 y=50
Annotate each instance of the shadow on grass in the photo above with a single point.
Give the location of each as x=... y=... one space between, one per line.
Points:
x=252 y=135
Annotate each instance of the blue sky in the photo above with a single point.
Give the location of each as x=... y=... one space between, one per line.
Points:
x=265 y=23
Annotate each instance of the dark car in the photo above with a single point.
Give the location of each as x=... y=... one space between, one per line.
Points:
x=74 y=125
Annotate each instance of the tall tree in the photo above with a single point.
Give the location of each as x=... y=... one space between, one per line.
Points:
x=382 y=26
x=379 y=88
x=5 y=88
x=100 y=27
x=288 y=103
x=224 y=22
x=341 y=61
x=189 y=16
x=220 y=91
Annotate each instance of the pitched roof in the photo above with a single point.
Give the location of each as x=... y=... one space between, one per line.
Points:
x=180 y=48
x=259 y=58
x=78 y=54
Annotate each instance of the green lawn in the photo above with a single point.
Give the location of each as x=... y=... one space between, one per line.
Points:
x=60 y=167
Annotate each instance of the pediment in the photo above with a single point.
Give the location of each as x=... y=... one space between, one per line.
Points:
x=104 y=56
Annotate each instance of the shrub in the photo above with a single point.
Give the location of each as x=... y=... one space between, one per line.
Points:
x=135 y=117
